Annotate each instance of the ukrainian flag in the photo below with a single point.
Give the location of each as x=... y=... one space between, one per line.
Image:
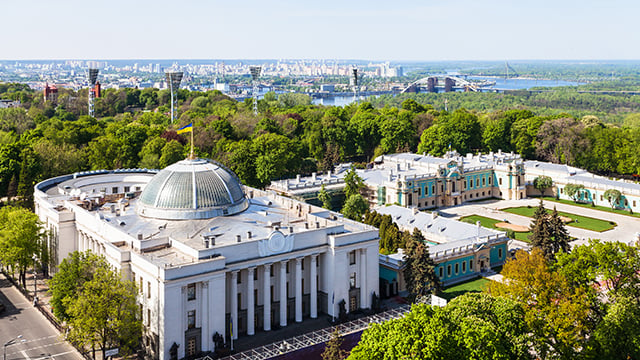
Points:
x=186 y=128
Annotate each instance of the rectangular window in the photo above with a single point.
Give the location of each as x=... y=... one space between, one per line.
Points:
x=419 y=191
x=137 y=188
x=433 y=189
x=457 y=267
x=499 y=253
x=448 y=270
x=148 y=317
x=191 y=292
x=141 y=288
x=126 y=189
x=114 y=190
x=634 y=203
x=601 y=198
x=148 y=289
x=561 y=192
x=191 y=319
x=500 y=181
x=490 y=180
x=483 y=181
x=464 y=184
x=352 y=257
x=441 y=272
x=471 y=265
x=464 y=266
x=441 y=188
x=352 y=280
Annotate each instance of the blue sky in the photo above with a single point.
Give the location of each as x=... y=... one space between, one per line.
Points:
x=349 y=29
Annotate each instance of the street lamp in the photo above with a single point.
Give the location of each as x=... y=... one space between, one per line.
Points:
x=35 y=279
x=10 y=342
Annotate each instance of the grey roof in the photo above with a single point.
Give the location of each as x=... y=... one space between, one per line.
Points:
x=192 y=189
x=436 y=228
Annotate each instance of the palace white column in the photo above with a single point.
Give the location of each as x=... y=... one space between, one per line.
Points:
x=267 y=297
x=299 y=290
x=234 y=303
x=250 y=303
x=363 y=279
x=283 y=293
x=314 y=287
x=205 y=316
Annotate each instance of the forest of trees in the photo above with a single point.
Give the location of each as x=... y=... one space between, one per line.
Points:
x=289 y=136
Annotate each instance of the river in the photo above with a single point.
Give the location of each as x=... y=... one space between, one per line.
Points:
x=501 y=84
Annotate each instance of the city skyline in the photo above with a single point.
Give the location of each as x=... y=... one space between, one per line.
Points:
x=372 y=30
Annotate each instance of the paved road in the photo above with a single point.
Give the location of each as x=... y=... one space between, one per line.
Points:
x=41 y=339
x=625 y=231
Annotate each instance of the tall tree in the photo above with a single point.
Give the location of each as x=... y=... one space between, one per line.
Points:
x=613 y=196
x=352 y=183
x=332 y=350
x=556 y=312
x=66 y=285
x=472 y=326
x=104 y=313
x=355 y=207
x=542 y=183
x=324 y=197
x=419 y=269
x=21 y=235
x=541 y=231
x=559 y=234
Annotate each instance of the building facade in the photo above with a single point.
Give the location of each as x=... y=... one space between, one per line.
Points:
x=461 y=251
x=424 y=181
x=593 y=186
x=209 y=255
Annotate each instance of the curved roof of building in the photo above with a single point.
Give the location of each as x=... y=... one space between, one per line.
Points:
x=192 y=189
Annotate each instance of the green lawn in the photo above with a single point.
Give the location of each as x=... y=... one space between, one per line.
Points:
x=578 y=221
x=476 y=285
x=596 y=207
x=491 y=224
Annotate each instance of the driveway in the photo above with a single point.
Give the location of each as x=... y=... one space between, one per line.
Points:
x=625 y=231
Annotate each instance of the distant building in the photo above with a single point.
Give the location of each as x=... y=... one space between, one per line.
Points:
x=327 y=87
x=208 y=254
x=594 y=185
x=461 y=251
x=50 y=93
x=425 y=181
x=9 y=103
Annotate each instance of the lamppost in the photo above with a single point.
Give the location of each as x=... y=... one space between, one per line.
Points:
x=35 y=279
x=10 y=342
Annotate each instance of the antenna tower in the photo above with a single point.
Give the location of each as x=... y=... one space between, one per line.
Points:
x=93 y=78
x=255 y=74
x=173 y=80
x=354 y=79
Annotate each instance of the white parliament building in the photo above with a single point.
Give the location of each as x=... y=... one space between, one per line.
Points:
x=207 y=252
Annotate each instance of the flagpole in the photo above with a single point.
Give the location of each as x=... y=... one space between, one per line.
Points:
x=191 y=153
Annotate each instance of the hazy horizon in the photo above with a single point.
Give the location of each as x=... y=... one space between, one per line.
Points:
x=374 y=30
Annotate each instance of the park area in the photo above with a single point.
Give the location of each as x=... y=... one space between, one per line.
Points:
x=522 y=234
x=579 y=221
x=476 y=285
